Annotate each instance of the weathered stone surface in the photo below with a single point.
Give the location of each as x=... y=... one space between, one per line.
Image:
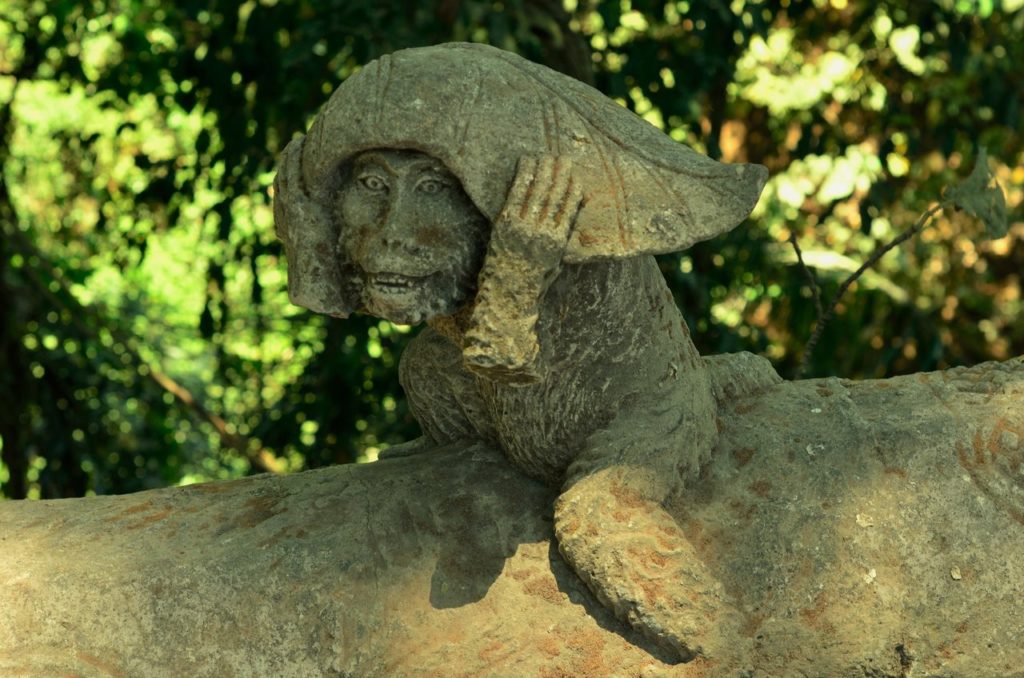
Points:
x=881 y=534
x=860 y=528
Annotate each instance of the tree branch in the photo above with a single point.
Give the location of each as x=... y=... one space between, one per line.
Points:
x=877 y=546
x=823 y=319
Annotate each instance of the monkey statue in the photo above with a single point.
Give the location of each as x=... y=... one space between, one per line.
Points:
x=515 y=211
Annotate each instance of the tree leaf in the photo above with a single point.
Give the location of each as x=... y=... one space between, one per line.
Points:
x=980 y=196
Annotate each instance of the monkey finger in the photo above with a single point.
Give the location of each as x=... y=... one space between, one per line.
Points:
x=535 y=206
x=569 y=206
x=520 y=190
x=561 y=177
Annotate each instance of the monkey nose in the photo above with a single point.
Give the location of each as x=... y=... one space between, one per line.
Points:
x=390 y=253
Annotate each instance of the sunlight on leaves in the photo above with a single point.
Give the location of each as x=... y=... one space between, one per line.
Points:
x=904 y=42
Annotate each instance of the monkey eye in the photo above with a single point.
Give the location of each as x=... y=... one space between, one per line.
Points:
x=430 y=186
x=373 y=183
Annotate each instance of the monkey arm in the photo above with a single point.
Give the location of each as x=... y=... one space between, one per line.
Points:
x=442 y=394
x=613 y=529
x=407 y=449
x=524 y=256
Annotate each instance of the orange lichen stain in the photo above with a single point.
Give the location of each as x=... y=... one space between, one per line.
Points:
x=108 y=668
x=552 y=647
x=493 y=652
x=211 y=488
x=752 y=624
x=812 y=616
x=742 y=509
x=555 y=672
x=1002 y=432
x=979 y=448
x=646 y=558
x=701 y=667
x=961 y=455
x=962 y=627
x=743 y=455
x=520 y=575
x=996 y=444
x=262 y=503
x=761 y=488
x=626 y=496
x=544 y=588
x=284 y=533
x=591 y=531
x=895 y=471
x=663 y=542
x=149 y=520
x=259 y=509
x=572 y=526
x=144 y=506
x=589 y=648
x=652 y=590
x=980 y=479
x=805 y=569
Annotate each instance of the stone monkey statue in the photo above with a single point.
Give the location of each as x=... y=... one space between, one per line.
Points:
x=515 y=211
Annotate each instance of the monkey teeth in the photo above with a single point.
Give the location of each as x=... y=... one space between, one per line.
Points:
x=393 y=282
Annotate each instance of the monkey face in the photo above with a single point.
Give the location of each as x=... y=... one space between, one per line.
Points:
x=410 y=239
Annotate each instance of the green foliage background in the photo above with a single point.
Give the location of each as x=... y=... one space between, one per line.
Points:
x=146 y=337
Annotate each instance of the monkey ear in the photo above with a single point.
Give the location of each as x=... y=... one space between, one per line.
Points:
x=310 y=241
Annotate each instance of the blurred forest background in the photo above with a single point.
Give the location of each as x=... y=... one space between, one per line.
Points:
x=146 y=338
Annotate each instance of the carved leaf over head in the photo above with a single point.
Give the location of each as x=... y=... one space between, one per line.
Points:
x=479 y=109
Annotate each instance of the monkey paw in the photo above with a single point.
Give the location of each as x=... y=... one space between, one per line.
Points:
x=406 y=449
x=638 y=562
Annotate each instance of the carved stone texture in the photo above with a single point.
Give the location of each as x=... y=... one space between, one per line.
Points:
x=862 y=529
x=515 y=210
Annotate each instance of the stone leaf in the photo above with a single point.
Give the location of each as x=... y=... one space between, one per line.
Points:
x=980 y=196
x=480 y=109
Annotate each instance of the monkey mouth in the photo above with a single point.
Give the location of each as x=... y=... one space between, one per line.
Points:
x=394 y=283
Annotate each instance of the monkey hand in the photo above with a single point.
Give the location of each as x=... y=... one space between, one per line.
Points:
x=528 y=240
